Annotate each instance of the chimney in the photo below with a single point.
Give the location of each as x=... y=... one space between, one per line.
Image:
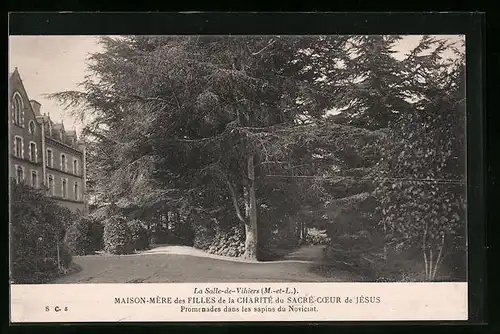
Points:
x=36 y=107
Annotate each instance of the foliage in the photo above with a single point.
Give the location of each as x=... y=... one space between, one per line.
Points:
x=37 y=228
x=177 y=119
x=96 y=234
x=317 y=237
x=371 y=93
x=139 y=236
x=204 y=125
x=203 y=236
x=84 y=236
x=117 y=235
x=228 y=242
x=421 y=183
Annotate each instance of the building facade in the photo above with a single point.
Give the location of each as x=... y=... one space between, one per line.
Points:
x=42 y=153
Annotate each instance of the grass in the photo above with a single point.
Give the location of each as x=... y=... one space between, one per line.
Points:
x=173 y=268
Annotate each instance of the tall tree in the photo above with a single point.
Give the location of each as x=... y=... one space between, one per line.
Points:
x=422 y=176
x=371 y=93
x=200 y=120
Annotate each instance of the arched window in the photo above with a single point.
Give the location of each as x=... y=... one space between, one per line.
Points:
x=18 y=147
x=63 y=162
x=19 y=174
x=34 y=179
x=75 y=166
x=50 y=183
x=33 y=152
x=50 y=158
x=75 y=191
x=32 y=127
x=64 y=188
x=18 y=108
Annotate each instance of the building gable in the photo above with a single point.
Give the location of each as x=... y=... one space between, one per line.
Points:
x=16 y=85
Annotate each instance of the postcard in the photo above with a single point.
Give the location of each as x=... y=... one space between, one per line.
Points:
x=222 y=178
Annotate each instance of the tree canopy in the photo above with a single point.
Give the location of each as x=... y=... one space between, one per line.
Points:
x=225 y=126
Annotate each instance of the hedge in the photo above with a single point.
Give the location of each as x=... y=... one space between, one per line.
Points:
x=117 y=235
x=139 y=236
x=124 y=237
x=38 y=226
x=84 y=236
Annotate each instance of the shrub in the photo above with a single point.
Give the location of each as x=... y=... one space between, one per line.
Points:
x=84 y=236
x=228 y=242
x=117 y=237
x=65 y=256
x=96 y=234
x=139 y=236
x=317 y=237
x=203 y=236
x=37 y=228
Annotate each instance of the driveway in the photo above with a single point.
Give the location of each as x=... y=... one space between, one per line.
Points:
x=177 y=264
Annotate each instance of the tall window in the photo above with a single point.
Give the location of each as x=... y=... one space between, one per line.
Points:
x=75 y=166
x=18 y=108
x=50 y=158
x=18 y=147
x=19 y=174
x=32 y=127
x=34 y=179
x=33 y=152
x=64 y=188
x=50 y=183
x=63 y=162
x=75 y=191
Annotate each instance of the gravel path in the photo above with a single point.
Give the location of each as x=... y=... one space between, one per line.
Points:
x=178 y=264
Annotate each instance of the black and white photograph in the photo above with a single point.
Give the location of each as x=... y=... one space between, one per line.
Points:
x=232 y=159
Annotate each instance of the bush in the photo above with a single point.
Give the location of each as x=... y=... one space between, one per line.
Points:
x=139 y=236
x=317 y=237
x=37 y=228
x=65 y=256
x=228 y=242
x=203 y=236
x=96 y=235
x=84 y=236
x=117 y=236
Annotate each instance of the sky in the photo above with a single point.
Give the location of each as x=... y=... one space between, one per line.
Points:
x=50 y=64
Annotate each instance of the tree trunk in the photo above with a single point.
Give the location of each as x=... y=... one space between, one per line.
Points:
x=251 y=240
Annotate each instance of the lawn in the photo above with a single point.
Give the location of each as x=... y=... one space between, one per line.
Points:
x=175 y=268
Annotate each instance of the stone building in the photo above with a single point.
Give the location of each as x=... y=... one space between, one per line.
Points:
x=44 y=154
